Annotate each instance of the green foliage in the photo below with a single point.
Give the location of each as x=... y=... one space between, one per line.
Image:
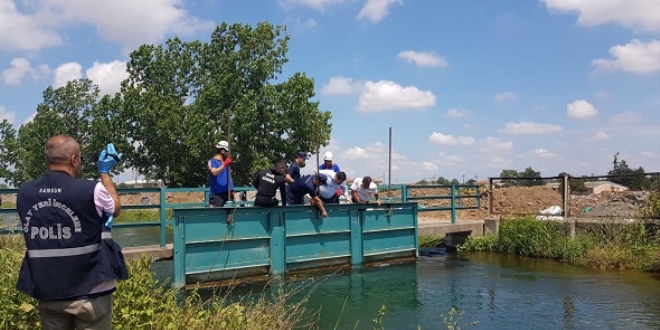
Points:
x=528 y=237
x=18 y=310
x=526 y=178
x=8 y=148
x=634 y=179
x=428 y=241
x=378 y=321
x=143 y=303
x=454 y=320
x=183 y=94
x=651 y=207
x=489 y=243
x=75 y=110
x=618 y=245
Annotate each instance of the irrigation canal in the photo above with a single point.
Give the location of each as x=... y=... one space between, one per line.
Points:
x=500 y=292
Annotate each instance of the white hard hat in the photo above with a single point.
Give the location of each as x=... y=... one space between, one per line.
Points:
x=222 y=145
x=327 y=155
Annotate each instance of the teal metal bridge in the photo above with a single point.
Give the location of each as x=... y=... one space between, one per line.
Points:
x=213 y=244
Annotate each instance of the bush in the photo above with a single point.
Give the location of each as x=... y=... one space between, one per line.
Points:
x=619 y=246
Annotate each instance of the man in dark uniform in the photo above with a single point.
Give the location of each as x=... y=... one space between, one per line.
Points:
x=267 y=182
x=307 y=184
x=71 y=264
x=294 y=168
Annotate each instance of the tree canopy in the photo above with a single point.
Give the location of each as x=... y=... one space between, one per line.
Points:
x=179 y=100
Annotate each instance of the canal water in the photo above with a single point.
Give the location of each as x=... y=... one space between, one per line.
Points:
x=497 y=291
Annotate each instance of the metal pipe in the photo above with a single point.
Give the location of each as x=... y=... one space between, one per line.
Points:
x=389 y=166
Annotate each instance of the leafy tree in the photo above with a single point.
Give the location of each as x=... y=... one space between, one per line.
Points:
x=526 y=178
x=181 y=97
x=622 y=174
x=442 y=181
x=74 y=110
x=532 y=178
x=509 y=177
x=8 y=147
x=422 y=182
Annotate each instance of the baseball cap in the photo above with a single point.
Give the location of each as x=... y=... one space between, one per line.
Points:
x=322 y=178
x=303 y=155
x=327 y=156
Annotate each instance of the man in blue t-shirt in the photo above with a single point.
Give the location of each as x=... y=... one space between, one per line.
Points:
x=307 y=184
x=220 y=181
x=328 y=164
x=294 y=168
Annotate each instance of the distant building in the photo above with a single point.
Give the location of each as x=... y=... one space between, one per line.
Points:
x=599 y=187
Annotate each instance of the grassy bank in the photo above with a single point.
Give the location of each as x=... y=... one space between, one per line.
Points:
x=607 y=246
x=143 y=303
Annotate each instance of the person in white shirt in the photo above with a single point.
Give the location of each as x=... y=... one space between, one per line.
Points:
x=362 y=189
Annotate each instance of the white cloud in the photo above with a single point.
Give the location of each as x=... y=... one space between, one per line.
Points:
x=423 y=59
x=600 y=136
x=108 y=76
x=376 y=10
x=388 y=95
x=24 y=32
x=526 y=127
x=5 y=114
x=491 y=144
x=635 y=57
x=21 y=67
x=446 y=139
x=341 y=85
x=499 y=163
x=66 y=72
x=581 y=109
x=651 y=155
x=314 y=4
x=428 y=166
x=626 y=118
x=506 y=96
x=602 y=94
x=448 y=159
x=456 y=113
x=127 y=22
x=539 y=153
x=643 y=15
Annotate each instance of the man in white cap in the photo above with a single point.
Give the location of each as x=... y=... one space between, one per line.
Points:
x=328 y=164
x=221 y=183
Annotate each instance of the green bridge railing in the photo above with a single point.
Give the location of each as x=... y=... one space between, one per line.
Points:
x=393 y=193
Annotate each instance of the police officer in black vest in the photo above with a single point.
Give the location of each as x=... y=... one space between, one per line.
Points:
x=267 y=182
x=71 y=264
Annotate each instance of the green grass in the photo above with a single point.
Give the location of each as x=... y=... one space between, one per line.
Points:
x=141 y=302
x=608 y=246
x=429 y=241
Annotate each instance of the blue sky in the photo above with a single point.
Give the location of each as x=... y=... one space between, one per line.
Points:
x=468 y=87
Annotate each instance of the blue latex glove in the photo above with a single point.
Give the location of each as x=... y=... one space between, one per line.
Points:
x=108 y=159
x=108 y=223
